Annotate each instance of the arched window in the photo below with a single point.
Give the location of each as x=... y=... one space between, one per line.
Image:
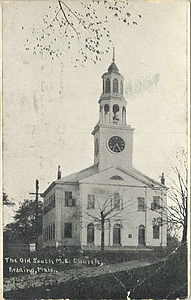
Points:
x=116 y=177
x=115 y=111
x=116 y=234
x=115 y=85
x=141 y=235
x=106 y=108
x=156 y=232
x=107 y=86
x=116 y=201
x=121 y=87
x=90 y=233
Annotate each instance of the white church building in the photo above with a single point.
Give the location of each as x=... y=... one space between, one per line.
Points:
x=128 y=202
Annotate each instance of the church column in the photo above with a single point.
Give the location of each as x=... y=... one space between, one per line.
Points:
x=120 y=115
x=110 y=114
x=123 y=115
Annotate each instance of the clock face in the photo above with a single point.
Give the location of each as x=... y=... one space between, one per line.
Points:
x=96 y=147
x=116 y=144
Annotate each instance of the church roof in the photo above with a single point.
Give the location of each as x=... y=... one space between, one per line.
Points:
x=84 y=174
x=146 y=178
x=73 y=178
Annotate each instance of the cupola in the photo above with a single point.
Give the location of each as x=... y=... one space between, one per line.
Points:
x=112 y=101
x=112 y=81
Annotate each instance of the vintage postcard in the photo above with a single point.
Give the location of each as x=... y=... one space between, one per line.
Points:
x=95 y=149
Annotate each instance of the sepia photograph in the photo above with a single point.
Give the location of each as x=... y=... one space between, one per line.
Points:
x=95 y=147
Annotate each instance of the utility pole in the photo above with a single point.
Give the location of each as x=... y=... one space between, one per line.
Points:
x=36 y=213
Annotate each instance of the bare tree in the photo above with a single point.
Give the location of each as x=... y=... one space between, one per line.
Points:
x=84 y=27
x=176 y=211
x=178 y=194
x=108 y=210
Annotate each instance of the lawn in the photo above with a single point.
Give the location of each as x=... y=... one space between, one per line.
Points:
x=164 y=280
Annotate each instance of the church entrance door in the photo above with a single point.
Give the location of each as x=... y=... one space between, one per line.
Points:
x=141 y=237
x=116 y=234
x=90 y=233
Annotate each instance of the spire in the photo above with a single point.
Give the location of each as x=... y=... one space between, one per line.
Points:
x=113 y=68
x=113 y=54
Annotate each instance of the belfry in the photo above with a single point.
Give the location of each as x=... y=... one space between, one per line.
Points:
x=112 y=129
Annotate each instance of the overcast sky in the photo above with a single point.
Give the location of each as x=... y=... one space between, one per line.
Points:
x=50 y=107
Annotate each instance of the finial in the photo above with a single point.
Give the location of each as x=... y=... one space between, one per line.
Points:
x=113 y=54
x=59 y=175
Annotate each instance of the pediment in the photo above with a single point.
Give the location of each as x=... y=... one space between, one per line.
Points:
x=116 y=176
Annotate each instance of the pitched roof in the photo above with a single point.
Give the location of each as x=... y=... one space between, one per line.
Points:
x=145 y=177
x=76 y=177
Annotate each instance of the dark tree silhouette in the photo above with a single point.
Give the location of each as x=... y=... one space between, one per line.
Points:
x=24 y=226
x=84 y=27
x=7 y=201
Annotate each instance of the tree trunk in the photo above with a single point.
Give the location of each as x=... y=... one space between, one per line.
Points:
x=184 y=235
x=102 y=232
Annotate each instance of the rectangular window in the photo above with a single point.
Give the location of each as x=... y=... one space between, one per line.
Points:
x=116 y=204
x=156 y=203
x=69 y=201
x=68 y=230
x=53 y=235
x=51 y=232
x=141 y=204
x=91 y=201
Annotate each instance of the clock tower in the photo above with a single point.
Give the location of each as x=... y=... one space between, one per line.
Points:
x=113 y=138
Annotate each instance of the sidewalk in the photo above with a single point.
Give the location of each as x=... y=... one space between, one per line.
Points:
x=40 y=279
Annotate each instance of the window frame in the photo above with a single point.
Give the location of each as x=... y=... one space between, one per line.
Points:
x=88 y=202
x=156 y=203
x=117 y=206
x=69 y=200
x=141 y=205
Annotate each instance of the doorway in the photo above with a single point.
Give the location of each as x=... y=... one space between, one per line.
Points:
x=141 y=235
x=116 y=234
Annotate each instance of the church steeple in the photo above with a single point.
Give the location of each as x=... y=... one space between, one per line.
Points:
x=112 y=101
x=113 y=138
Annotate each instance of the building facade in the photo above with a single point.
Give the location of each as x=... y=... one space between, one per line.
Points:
x=110 y=201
